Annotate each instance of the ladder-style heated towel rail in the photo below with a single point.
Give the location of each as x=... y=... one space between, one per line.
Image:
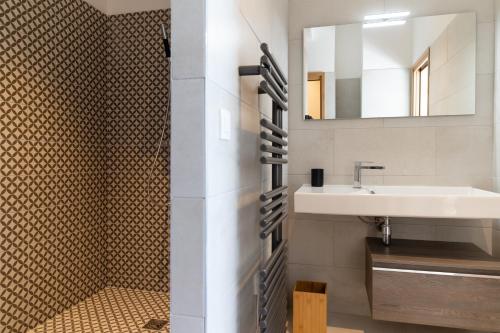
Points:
x=274 y=203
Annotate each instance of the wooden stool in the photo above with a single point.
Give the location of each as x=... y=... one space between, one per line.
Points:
x=309 y=307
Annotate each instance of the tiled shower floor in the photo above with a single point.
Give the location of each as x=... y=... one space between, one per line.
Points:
x=112 y=310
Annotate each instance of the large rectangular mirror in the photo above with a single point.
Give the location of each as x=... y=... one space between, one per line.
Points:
x=417 y=67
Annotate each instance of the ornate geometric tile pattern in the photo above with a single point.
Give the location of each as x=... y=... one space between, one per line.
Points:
x=52 y=158
x=82 y=100
x=112 y=310
x=137 y=185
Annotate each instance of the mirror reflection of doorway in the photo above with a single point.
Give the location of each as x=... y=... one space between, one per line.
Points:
x=316 y=95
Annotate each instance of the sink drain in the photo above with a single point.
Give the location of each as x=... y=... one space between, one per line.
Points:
x=155 y=324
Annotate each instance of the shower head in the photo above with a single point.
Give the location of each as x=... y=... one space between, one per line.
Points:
x=166 y=43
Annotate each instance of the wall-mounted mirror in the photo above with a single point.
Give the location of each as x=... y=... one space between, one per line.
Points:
x=415 y=67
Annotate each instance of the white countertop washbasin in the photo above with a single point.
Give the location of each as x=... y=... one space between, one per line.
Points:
x=399 y=201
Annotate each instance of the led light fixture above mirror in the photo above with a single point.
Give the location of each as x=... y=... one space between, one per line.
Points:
x=385 y=20
x=387 y=16
x=385 y=23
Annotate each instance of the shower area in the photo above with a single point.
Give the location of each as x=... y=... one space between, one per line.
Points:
x=84 y=169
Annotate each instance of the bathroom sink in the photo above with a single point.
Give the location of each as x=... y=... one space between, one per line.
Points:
x=399 y=201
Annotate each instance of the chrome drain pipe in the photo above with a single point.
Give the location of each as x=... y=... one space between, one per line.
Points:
x=386 y=231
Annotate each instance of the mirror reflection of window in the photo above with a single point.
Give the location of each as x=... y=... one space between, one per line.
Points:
x=420 y=85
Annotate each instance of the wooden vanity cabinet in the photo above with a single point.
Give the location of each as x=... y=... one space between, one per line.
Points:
x=433 y=283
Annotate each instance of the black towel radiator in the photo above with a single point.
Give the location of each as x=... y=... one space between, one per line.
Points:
x=274 y=203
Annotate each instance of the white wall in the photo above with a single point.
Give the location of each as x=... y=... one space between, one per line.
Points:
x=387 y=47
x=187 y=147
x=387 y=92
x=497 y=98
x=387 y=58
x=320 y=45
x=233 y=175
x=426 y=31
x=349 y=51
x=453 y=150
x=496 y=235
x=453 y=53
x=235 y=30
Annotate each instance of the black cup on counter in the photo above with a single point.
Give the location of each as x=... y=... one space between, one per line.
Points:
x=317 y=177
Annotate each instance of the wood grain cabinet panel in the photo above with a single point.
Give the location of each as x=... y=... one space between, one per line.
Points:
x=433 y=283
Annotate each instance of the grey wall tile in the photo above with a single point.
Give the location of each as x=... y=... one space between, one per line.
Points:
x=188 y=138
x=310 y=149
x=403 y=151
x=184 y=324
x=311 y=242
x=189 y=39
x=187 y=274
x=464 y=151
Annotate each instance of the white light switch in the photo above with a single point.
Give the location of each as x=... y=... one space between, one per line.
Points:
x=225 y=124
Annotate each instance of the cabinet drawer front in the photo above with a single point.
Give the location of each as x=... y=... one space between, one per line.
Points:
x=436 y=298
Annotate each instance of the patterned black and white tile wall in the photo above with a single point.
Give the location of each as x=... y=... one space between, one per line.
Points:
x=83 y=100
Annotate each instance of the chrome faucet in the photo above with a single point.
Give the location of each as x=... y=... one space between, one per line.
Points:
x=358 y=166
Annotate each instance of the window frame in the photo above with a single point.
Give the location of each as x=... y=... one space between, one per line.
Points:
x=416 y=72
